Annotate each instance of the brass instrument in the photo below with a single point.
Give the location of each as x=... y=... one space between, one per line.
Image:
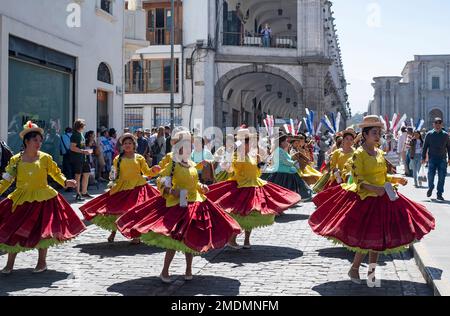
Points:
x=302 y=159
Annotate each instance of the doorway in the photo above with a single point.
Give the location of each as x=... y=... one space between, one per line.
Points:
x=102 y=109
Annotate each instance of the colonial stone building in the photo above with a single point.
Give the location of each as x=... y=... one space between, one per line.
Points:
x=61 y=60
x=423 y=90
x=227 y=73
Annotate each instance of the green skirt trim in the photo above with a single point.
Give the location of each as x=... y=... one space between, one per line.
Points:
x=366 y=251
x=43 y=244
x=253 y=220
x=162 y=241
x=223 y=176
x=107 y=222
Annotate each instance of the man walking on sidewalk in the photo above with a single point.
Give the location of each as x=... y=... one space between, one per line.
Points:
x=437 y=145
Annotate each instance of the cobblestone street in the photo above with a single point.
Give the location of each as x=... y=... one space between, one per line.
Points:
x=286 y=259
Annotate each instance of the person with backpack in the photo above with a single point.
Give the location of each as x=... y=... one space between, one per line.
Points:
x=65 y=153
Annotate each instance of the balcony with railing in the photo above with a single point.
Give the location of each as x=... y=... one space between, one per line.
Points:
x=161 y=36
x=257 y=40
x=260 y=28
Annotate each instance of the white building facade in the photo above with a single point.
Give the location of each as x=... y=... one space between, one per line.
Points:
x=227 y=72
x=61 y=60
x=422 y=92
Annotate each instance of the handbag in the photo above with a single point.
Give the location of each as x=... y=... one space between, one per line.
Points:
x=422 y=176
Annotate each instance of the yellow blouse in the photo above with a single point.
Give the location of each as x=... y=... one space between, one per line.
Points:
x=31 y=179
x=183 y=179
x=246 y=173
x=338 y=161
x=368 y=169
x=132 y=172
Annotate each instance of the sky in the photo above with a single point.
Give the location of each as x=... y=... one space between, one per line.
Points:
x=378 y=37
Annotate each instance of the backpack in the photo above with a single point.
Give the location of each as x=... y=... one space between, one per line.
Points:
x=6 y=156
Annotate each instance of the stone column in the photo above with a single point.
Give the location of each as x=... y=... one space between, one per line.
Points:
x=313 y=87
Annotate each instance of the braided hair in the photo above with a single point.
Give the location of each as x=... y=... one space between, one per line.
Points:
x=118 y=166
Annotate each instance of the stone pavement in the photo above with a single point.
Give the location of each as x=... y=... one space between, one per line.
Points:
x=286 y=259
x=433 y=253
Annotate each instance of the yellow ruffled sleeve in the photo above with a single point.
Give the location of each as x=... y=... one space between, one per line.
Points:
x=145 y=169
x=334 y=160
x=165 y=172
x=166 y=160
x=8 y=178
x=54 y=171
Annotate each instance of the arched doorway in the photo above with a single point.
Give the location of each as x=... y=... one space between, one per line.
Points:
x=244 y=94
x=432 y=115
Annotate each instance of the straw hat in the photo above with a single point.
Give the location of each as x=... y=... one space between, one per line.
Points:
x=125 y=136
x=371 y=121
x=350 y=131
x=30 y=127
x=179 y=136
x=299 y=136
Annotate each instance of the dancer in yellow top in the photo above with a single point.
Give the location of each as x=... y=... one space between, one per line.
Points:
x=129 y=189
x=182 y=218
x=34 y=216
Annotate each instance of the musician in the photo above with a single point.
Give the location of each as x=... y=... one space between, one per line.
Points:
x=300 y=152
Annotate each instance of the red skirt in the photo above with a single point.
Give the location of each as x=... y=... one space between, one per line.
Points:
x=31 y=223
x=270 y=199
x=201 y=226
x=119 y=203
x=374 y=224
x=326 y=194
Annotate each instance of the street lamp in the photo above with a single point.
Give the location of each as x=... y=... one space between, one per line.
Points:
x=172 y=63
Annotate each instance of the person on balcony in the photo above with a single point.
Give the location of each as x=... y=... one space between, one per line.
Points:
x=266 y=35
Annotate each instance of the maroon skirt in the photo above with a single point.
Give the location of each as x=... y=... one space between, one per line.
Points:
x=270 y=199
x=119 y=203
x=201 y=226
x=31 y=223
x=374 y=224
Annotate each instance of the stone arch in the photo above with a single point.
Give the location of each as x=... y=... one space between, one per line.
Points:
x=222 y=83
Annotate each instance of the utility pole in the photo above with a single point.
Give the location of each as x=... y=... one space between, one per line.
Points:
x=172 y=64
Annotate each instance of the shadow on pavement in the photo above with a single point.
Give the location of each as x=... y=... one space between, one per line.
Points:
x=23 y=279
x=200 y=285
x=209 y=285
x=117 y=249
x=286 y=218
x=386 y=288
x=435 y=273
x=258 y=253
x=345 y=254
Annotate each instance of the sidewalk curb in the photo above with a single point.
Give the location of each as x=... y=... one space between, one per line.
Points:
x=426 y=266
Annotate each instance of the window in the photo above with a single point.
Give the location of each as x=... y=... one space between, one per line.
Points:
x=150 y=76
x=106 y=5
x=103 y=73
x=134 y=118
x=162 y=117
x=436 y=83
x=137 y=77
